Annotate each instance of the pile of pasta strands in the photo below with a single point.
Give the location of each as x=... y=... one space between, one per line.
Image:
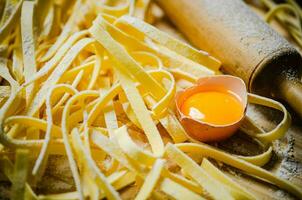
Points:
x=92 y=81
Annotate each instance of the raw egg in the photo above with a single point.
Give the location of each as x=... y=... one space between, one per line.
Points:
x=213 y=108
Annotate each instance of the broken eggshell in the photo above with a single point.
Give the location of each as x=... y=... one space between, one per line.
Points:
x=204 y=131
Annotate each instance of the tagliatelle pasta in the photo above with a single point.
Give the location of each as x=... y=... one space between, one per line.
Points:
x=98 y=88
x=151 y=180
x=28 y=46
x=171 y=43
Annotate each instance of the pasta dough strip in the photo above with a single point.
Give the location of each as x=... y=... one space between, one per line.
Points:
x=177 y=191
x=55 y=76
x=171 y=43
x=151 y=180
x=28 y=46
x=197 y=173
x=208 y=151
x=134 y=98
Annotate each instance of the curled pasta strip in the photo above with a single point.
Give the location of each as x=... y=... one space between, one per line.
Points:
x=266 y=138
x=147 y=59
x=174 y=128
x=4 y=73
x=164 y=103
x=68 y=29
x=65 y=133
x=112 y=149
x=116 y=11
x=131 y=149
x=246 y=167
x=33 y=121
x=95 y=173
x=197 y=173
x=63 y=99
x=289 y=14
x=128 y=86
x=171 y=43
x=102 y=101
x=261 y=159
x=43 y=156
x=55 y=75
x=86 y=67
x=49 y=65
x=10 y=14
x=109 y=111
x=236 y=190
x=282 y=127
x=4 y=138
x=122 y=56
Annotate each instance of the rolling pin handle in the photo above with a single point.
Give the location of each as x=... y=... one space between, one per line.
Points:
x=291 y=91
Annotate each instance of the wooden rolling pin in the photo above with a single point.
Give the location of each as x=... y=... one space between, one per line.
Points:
x=246 y=45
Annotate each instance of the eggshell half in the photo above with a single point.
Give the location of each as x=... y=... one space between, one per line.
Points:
x=207 y=132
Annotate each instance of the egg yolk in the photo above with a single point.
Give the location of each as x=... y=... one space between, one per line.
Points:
x=214 y=107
